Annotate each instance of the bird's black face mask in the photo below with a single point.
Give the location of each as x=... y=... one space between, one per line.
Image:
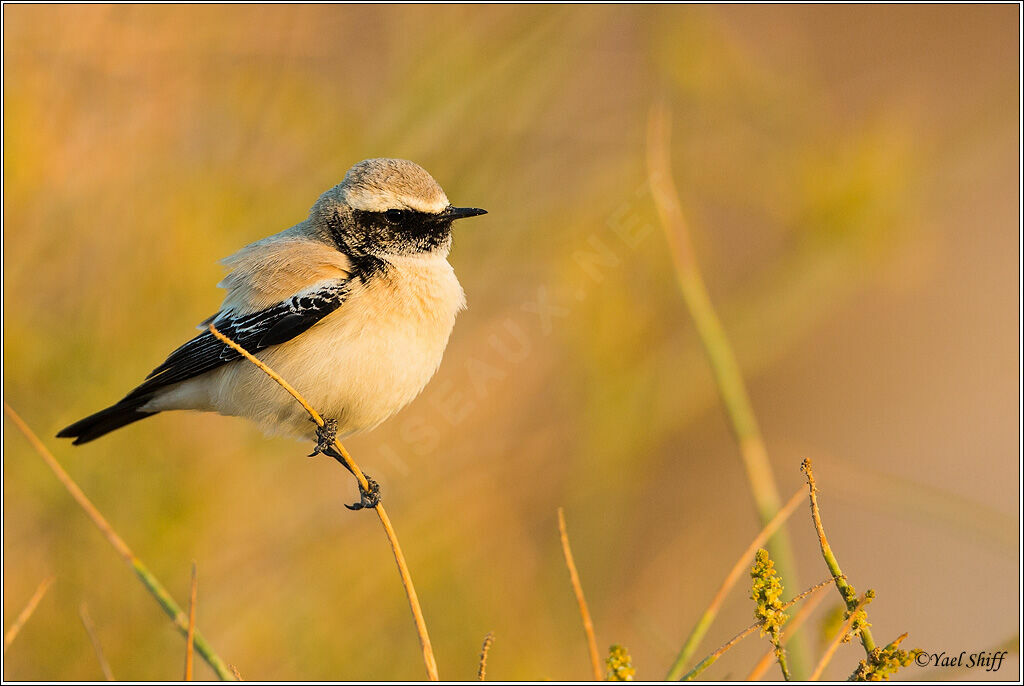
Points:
x=400 y=232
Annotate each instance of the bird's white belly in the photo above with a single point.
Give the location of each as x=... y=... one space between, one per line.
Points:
x=359 y=365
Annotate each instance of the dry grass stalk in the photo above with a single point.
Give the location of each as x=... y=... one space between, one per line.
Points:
x=481 y=672
x=704 y=623
x=26 y=612
x=90 y=629
x=403 y=568
x=840 y=635
x=588 y=624
x=152 y=584
x=190 y=636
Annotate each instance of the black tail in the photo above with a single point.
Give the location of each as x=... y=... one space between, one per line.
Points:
x=105 y=421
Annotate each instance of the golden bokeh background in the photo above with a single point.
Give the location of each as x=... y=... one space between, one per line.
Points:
x=851 y=178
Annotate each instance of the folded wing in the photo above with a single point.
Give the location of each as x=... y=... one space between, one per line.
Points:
x=254 y=332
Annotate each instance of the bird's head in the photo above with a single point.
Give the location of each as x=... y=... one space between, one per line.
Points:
x=388 y=207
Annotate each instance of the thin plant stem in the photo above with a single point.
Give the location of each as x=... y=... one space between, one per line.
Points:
x=780 y=655
x=577 y=587
x=27 y=611
x=715 y=341
x=152 y=584
x=90 y=629
x=713 y=657
x=826 y=657
x=396 y=549
x=705 y=621
x=791 y=626
x=238 y=675
x=190 y=636
x=481 y=672
x=844 y=588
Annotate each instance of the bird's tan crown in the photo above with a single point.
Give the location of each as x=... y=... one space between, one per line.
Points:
x=383 y=184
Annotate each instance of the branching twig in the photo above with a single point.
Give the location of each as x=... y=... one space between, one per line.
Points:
x=27 y=611
x=481 y=672
x=190 y=636
x=588 y=624
x=90 y=628
x=840 y=635
x=151 y=583
x=713 y=657
x=716 y=344
x=845 y=589
x=704 y=623
x=403 y=568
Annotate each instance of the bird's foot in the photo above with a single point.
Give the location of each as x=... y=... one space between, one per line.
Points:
x=325 y=436
x=368 y=497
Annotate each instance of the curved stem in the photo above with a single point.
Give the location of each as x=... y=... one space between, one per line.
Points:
x=577 y=587
x=389 y=531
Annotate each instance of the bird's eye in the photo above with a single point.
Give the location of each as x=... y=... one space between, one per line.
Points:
x=394 y=216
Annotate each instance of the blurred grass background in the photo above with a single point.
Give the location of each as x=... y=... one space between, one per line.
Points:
x=851 y=175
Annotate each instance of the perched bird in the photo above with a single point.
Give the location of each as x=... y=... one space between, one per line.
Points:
x=353 y=306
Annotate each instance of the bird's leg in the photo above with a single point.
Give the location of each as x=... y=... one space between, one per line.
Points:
x=325 y=435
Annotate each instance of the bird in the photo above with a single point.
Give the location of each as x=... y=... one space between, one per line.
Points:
x=354 y=306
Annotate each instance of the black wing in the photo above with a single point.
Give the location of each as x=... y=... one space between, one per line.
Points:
x=254 y=332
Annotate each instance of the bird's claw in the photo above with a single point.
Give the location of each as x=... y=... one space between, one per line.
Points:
x=368 y=497
x=325 y=436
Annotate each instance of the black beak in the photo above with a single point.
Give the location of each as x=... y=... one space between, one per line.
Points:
x=462 y=212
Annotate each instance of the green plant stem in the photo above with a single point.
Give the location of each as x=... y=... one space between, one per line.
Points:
x=780 y=655
x=720 y=354
x=845 y=589
x=156 y=589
